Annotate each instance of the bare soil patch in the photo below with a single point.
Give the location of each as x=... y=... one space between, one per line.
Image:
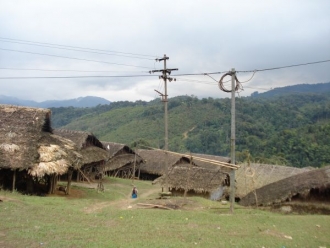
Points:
x=300 y=207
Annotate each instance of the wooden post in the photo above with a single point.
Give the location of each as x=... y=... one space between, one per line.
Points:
x=139 y=171
x=50 y=183
x=134 y=167
x=188 y=178
x=70 y=171
x=54 y=183
x=14 y=181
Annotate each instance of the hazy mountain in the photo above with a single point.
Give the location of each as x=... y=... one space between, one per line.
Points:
x=295 y=89
x=81 y=102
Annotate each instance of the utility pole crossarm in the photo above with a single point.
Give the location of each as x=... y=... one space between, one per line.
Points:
x=166 y=70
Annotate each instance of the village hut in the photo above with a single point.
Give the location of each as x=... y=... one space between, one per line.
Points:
x=154 y=163
x=195 y=180
x=31 y=156
x=313 y=185
x=93 y=154
x=250 y=177
x=123 y=161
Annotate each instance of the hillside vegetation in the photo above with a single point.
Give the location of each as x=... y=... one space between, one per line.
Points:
x=289 y=129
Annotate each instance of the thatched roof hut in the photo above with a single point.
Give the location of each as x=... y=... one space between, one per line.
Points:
x=123 y=161
x=307 y=186
x=253 y=176
x=89 y=146
x=194 y=178
x=154 y=162
x=93 y=153
x=27 y=143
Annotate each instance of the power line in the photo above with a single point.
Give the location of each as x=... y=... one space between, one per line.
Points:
x=75 y=47
x=199 y=74
x=57 y=70
x=65 y=57
x=287 y=66
x=253 y=71
x=195 y=81
x=79 y=50
x=59 y=77
x=257 y=88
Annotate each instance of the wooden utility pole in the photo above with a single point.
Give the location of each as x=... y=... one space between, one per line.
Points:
x=165 y=71
x=232 y=141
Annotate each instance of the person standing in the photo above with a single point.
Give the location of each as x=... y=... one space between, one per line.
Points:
x=134 y=192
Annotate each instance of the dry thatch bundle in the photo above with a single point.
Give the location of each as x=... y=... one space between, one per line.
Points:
x=253 y=176
x=200 y=180
x=56 y=155
x=10 y=148
x=284 y=190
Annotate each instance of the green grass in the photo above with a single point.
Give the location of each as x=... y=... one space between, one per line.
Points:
x=92 y=219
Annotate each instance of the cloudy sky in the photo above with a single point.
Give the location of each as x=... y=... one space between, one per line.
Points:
x=44 y=55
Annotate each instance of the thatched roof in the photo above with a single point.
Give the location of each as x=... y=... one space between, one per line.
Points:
x=116 y=148
x=26 y=142
x=56 y=155
x=208 y=165
x=193 y=178
x=154 y=161
x=90 y=147
x=212 y=157
x=80 y=138
x=285 y=189
x=120 y=155
x=254 y=176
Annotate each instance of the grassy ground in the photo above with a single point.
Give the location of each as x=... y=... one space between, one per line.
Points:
x=112 y=219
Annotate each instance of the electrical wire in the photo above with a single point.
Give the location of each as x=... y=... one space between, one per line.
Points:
x=253 y=71
x=55 y=77
x=257 y=88
x=53 y=70
x=195 y=81
x=287 y=66
x=249 y=78
x=79 y=50
x=65 y=57
x=74 y=47
x=238 y=85
x=198 y=74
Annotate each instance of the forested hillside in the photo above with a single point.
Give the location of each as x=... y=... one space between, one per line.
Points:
x=291 y=129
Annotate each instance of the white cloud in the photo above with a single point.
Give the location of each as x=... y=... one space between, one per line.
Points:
x=198 y=36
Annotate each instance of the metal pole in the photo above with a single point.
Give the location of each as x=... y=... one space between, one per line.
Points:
x=232 y=142
x=166 y=124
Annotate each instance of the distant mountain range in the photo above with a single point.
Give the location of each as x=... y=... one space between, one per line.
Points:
x=81 y=102
x=93 y=101
x=295 y=89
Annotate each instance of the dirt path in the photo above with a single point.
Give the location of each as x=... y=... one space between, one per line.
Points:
x=185 y=134
x=126 y=203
